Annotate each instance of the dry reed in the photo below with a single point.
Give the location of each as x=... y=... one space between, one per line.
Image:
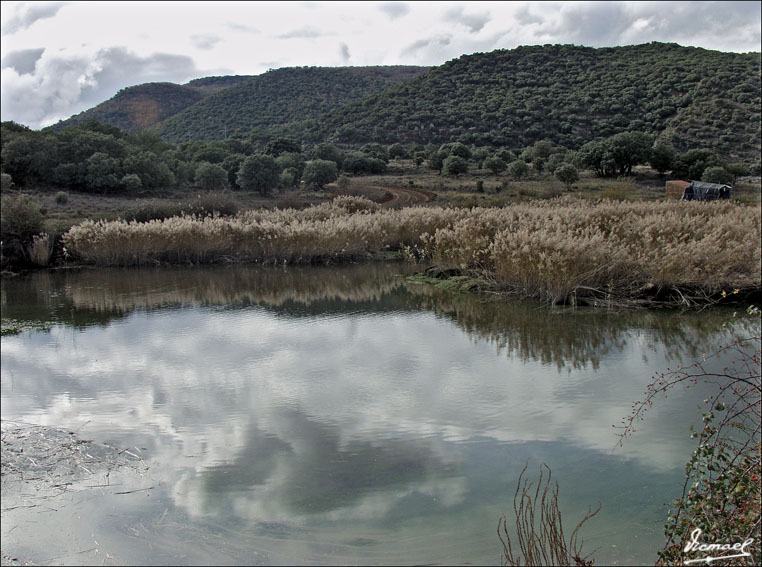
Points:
x=549 y=249
x=539 y=531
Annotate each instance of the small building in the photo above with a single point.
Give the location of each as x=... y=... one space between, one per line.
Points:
x=676 y=188
x=704 y=191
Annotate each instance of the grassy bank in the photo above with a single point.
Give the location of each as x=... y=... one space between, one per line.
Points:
x=552 y=250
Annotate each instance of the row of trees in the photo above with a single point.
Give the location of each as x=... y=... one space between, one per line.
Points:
x=103 y=159
x=97 y=158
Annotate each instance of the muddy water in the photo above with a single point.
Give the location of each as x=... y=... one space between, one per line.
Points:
x=333 y=415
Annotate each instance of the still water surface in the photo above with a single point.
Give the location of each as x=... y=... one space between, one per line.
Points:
x=338 y=415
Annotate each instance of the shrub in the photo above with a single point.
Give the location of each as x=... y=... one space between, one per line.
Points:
x=343 y=182
x=62 y=197
x=131 y=183
x=716 y=174
x=518 y=168
x=153 y=210
x=211 y=177
x=320 y=172
x=21 y=219
x=6 y=182
x=567 y=174
x=455 y=165
x=213 y=203
x=21 y=216
x=258 y=173
x=495 y=165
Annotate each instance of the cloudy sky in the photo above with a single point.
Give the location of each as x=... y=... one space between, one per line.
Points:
x=59 y=58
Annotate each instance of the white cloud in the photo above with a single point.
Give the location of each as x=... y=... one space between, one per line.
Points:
x=474 y=22
x=394 y=9
x=344 y=52
x=240 y=36
x=27 y=13
x=206 y=41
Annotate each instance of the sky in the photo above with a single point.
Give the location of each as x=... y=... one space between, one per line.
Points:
x=60 y=58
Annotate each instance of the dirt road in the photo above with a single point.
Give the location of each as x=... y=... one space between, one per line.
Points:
x=392 y=197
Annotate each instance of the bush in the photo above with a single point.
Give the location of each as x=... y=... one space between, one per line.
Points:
x=320 y=172
x=258 y=173
x=21 y=216
x=716 y=174
x=62 y=197
x=6 y=182
x=518 y=168
x=211 y=177
x=21 y=219
x=132 y=183
x=495 y=165
x=343 y=182
x=214 y=203
x=153 y=210
x=567 y=174
x=455 y=165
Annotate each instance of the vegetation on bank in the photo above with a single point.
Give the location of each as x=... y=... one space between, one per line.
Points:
x=721 y=497
x=557 y=251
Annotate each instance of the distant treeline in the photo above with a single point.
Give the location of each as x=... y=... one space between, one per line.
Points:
x=98 y=158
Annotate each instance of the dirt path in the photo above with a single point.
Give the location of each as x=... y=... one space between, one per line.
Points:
x=392 y=197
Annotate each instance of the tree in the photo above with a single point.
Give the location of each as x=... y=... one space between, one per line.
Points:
x=567 y=174
x=283 y=145
x=737 y=170
x=289 y=178
x=495 y=164
x=716 y=174
x=662 y=157
x=151 y=169
x=258 y=172
x=210 y=154
x=518 y=168
x=377 y=151
x=104 y=173
x=436 y=160
x=7 y=182
x=456 y=149
x=419 y=158
x=691 y=164
x=330 y=152
x=358 y=163
x=629 y=149
x=455 y=165
x=553 y=162
x=319 y=172
x=295 y=161
x=211 y=177
x=397 y=151
x=232 y=164
x=479 y=155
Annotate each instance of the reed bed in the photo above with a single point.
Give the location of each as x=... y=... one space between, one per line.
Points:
x=550 y=249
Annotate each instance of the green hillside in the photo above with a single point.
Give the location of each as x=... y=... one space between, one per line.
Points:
x=280 y=96
x=570 y=95
x=135 y=108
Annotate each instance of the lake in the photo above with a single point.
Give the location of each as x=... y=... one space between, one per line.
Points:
x=337 y=415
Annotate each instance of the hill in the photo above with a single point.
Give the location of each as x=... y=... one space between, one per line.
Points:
x=280 y=96
x=688 y=96
x=135 y=108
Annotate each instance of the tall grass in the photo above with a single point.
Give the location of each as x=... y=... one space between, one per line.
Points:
x=547 y=249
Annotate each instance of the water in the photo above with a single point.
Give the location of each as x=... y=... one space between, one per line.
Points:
x=337 y=415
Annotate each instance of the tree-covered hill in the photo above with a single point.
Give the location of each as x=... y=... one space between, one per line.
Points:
x=280 y=96
x=135 y=108
x=689 y=97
